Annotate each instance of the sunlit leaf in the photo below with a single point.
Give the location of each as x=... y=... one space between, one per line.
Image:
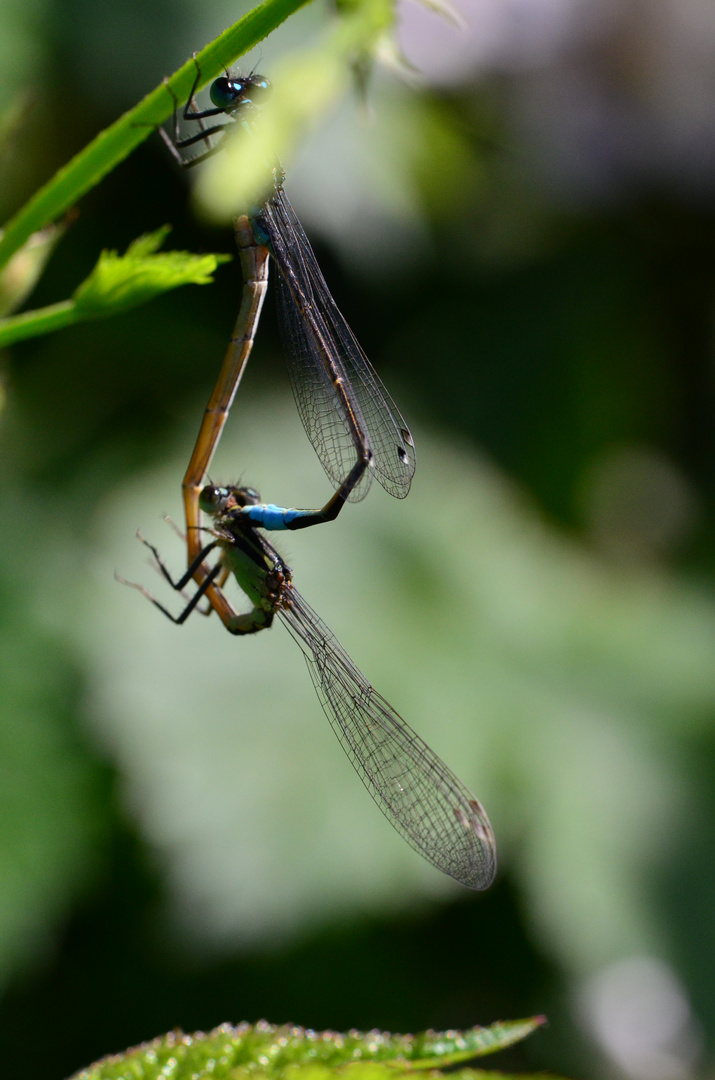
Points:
x=116 y=284
x=294 y=1053
x=119 y=282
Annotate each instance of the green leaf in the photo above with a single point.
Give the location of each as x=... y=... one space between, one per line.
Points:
x=20 y=275
x=117 y=283
x=267 y=1052
x=432 y=1050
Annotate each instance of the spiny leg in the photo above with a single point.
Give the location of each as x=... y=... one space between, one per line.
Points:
x=250 y=622
x=191 y=112
x=214 y=578
x=177 y=585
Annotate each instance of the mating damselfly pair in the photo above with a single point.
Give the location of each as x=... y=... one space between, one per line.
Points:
x=357 y=432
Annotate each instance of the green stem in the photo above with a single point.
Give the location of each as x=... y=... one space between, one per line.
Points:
x=42 y=321
x=116 y=142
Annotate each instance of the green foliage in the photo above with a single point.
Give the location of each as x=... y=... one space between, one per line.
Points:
x=20 y=275
x=576 y=691
x=116 y=284
x=53 y=802
x=294 y=1053
x=111 y=146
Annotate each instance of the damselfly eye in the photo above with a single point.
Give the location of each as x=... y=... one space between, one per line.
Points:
x=231 y=94
x=226 y=93
x=256 y=88
x=211 y=498
x=246 y=496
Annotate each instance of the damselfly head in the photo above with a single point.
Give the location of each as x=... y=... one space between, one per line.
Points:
x=218 y=500
x=242 y=91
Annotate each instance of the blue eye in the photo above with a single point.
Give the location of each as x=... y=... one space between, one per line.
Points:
x=225 y=92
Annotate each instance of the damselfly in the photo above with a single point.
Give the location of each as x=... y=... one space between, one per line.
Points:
x=349 y=417
x=419 y=795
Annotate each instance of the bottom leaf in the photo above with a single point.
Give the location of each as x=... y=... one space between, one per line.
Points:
x=267 y=1052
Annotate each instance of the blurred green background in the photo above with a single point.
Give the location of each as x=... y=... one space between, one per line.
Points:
x=524 y=243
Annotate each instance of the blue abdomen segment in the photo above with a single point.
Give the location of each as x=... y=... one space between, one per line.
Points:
x=271 y=517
